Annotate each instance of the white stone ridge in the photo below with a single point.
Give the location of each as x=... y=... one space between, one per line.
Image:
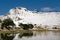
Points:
x=22 y=15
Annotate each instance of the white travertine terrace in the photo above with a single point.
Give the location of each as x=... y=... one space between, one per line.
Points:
x=22 y=15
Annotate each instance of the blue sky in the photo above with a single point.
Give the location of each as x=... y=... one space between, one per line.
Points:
x=41 y=5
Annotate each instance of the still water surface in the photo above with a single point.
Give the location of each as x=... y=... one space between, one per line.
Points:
x=31 y=35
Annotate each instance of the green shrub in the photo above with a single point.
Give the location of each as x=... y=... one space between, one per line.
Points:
x=6 y=23
x=0 y=20
x=26 y=26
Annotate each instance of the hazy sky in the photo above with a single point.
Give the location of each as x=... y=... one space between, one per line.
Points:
x=41 y=5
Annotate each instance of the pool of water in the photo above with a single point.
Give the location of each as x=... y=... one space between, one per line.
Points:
x=31 y=35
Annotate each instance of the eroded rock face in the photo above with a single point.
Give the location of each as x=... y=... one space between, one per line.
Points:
x=22 y=15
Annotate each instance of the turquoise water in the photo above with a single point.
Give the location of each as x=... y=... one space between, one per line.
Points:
x=31 y=35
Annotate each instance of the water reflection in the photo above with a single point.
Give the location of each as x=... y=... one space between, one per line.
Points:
x=29 y=35
x=15 y=36
x=26 y=34
x=7 y=36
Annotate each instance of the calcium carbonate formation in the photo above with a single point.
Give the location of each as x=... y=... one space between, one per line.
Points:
x=22 y=15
